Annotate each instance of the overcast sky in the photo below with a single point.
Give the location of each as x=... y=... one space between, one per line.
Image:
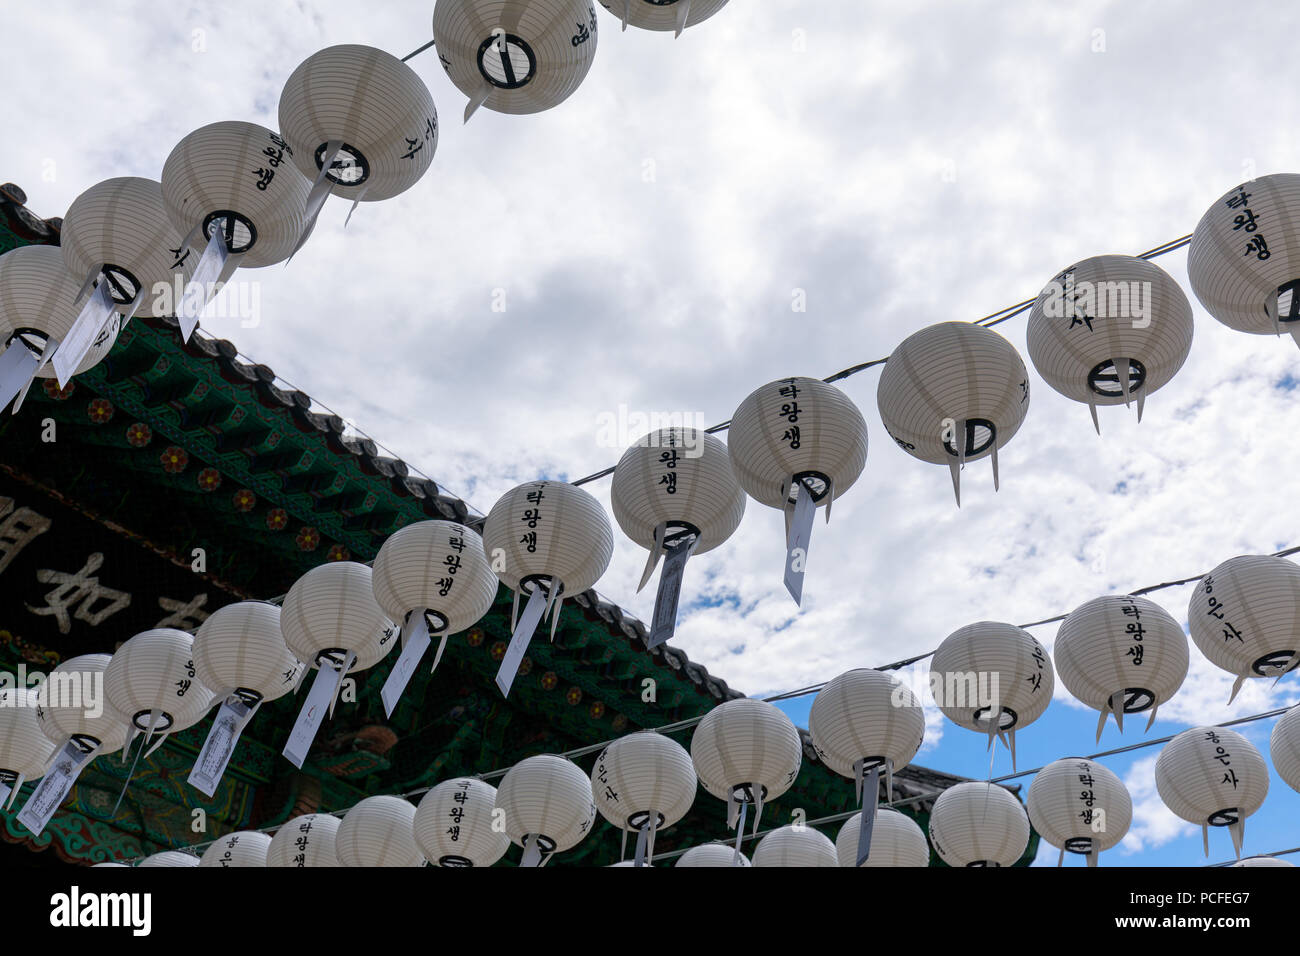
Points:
x=900 y=164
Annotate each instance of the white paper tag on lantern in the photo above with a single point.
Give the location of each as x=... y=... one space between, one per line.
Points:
x=17 y=366
x=83 y=334
x=56 y=784
x=524 y=631
x=217 y=750
x=664 y=621
x=322 y=693
x=210 y=267
x=417 y=642
x=796 y=556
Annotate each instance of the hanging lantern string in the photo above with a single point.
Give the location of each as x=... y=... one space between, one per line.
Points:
x=414 y=53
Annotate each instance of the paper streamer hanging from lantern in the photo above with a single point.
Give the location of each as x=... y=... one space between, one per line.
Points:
x=663 y=15
x=953 y=393
x=992 y=678
x=796 y=444
x=38 y=314
x=644 y=783
x=170 y=858
x=1213 y=777
x=748 y=753
x=24 y=750
x=240 y=849
x=1243 y=617
x=1284 y=747
x=549 y=540
x=896 y=840
x=515 y=56
x=795 y=846
x=305 y=841
x=1244 y=261
x=454 y=824
x=433 y=576
x=862 y=723
x=675 y=494
x=978 y=824
x=547 y=806
x=240 y=653
x=329 y=620
x=1080 y=806
x=1121 y=654
x=712 y=854
x=1110 y=330
x=378 y=832
x=361 y=124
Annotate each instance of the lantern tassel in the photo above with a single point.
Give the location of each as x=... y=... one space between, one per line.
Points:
x=830 y=497
x=415 y=642
x=1152 y=719
x=477 y=100
x=1117 y=708
x=1121 y=370
x=652 y=559
x=1142 y=400
x=645 y=840
x=514 y=614
x=683 y=11
x=1011 y=736
x=740 y=833
x=555 y=616
x=798 y=538
x=1092 y=407
x=1101 y=719
x=437 y=655
x=532 y=852
x=1236 y=687
x=153 y=722
x=320 y=191
x=994 y=456
x=734 y=807
x=868 y=821
x=1237 y=830
x=758 y=807
x=13 y=793
x=622 y=850
x=1205 y=837
x=1060 y=857
x=355 y=203
x=1092 y=853
x=627 y=11
x=523 y=633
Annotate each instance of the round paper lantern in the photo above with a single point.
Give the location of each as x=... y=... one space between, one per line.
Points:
x=864 y=720
x=547 y=805
x=72 y=705
x=170 y=858
x=1243 y=261
x=371 y=103
x=952 y=393
x=643 y=782
x=515 y=56
x=24 y=750
x=1263 y=861
x=239 y=649
x=712 y=854
x=378 y=832
x=1078 y=805
x=1212 y=776
x=245 y=848
x=306 y=840
x=1243 y=617
x=120 y=227
x=978 y=824
x=896 y=840
x=152 y=684
x=1110 y=329
x=1121 y=654
x=795 y=846
x=454 y=825
x=746 y=752
x=330 y=612
x=992 y=678
x=94 y=865
x=662 y=15
x=237 y=178
x=1284 y=747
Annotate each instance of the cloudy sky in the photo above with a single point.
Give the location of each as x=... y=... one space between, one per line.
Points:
x=898 y=165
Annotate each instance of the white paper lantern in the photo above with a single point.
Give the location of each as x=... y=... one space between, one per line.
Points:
x=331 y=611
x=1263 y=861
x=1214 y=777
x=1284 y=747
x=24 y=750
x=1243 y=617
x=244 y=848
x=1108 y=330
x=378 y=831
x=978 y=824
x=1121 y=654
x=152 y=685
x=865 y=719
x=454 y=824
x=992 y=678
x=953 y=393
x=515 y=56
x=238 y=178
x=170 y=858
x=795 y=846
x=1244 y=262
x=1078 y=805
x=304 y=841
x=372 y=103
x=662 y=15
x=239 y=649
x=896 y=840
x=72 y=705
x=712 y=854
x=121 y=227
x=643 y=782
x=94 y=865
x=547 y=805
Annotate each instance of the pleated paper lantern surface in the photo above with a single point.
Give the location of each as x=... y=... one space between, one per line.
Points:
x=1284 y=747
x=1243 y=617
x=548 y=806
x=1078 y=805
x=953 y=393
x=515 y=56
x=72 y=704
x=643 y=782
x=152 y=684
x=239 y=648
x=746 y=752
x=170 y=858
x=1121 y=655
x=658 y=15
x=795 y=846
x=120 y=226
x=330 y=611
x=454 y=824
x=992 y=678
x=866 y=719
x=378 y=831
x=896 y=840
x=1263 y=861
x=24 y=749
x=304 y=841
x=978 y=824
x=238 y=178
x=1214 y=777
x=245 y=848
x=712 y=854
x=372 y=103
x=1244 y=261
